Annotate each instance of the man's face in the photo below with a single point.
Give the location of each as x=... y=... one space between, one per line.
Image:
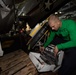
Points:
x=54 y=24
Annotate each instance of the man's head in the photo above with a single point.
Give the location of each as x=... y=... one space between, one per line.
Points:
x=54 y=22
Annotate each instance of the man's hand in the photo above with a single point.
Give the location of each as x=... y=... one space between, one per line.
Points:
x=55 y=50
x=41 y=49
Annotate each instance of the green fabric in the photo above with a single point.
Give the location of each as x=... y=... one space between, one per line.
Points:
x=50 y=38
x=68 y=31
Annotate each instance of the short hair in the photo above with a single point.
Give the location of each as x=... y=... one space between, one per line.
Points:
x=53 y=17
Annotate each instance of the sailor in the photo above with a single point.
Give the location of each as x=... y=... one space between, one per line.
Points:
x=63 y=36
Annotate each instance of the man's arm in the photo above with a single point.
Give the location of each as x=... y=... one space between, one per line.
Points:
x=49 y=39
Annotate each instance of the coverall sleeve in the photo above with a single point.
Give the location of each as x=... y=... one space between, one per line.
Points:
x=49 y=39
x=72 y=34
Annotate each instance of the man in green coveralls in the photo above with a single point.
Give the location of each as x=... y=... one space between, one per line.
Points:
x=63 y=36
